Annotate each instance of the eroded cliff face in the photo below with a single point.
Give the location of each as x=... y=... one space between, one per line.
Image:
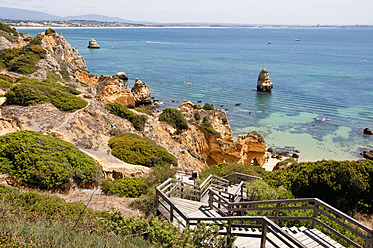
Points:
x=215 y=149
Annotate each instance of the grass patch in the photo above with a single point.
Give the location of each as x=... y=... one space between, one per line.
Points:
x=138 y=121
x=134 y=149
x=174 y=117
x=208 y=127
x=45 y=162
x=26 y=92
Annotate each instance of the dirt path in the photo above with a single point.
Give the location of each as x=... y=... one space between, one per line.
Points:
x=102 y=202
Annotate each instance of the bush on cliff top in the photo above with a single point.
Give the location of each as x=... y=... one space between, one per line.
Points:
x=138 y=121
x=49 y=31
x=173 y=117
x=45 y=162
x=26 y=92
x=7 y=28
x=134 y=149
x=208 y=106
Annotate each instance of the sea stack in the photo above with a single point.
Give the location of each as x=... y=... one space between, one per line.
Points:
x=264 y=84
x=93 y=44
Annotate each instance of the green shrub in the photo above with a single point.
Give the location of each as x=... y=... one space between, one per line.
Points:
x=139 y=109
x=4 y=84
x=49 y=31
x=65 y=75
x=345 y=185
x=224 y=169
x=45 y=162
x=134 y=149
x=67 y=102
x=36 y=40
x=24 y=64
x=225 y=120
x=26 y=92
x=208 y=127
x=259 y=190
x=126 y=187
x=7 y=55
x=6 y=78
x=138 y=121
x=7 y=28
x=208 y=106
x=173 y=117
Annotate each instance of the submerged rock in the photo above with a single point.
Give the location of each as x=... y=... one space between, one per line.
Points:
x=264 y=84
x=93 y=44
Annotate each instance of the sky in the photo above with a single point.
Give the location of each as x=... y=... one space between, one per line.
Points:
x=302 y=12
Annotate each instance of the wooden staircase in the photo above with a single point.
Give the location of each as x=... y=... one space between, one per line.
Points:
x=221 y=201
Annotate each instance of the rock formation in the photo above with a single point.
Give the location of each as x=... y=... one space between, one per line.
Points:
x=264 y=84
x=141 y=93
x=367 y=131
x=93 y=44
x=368 y=155
x=121 y=75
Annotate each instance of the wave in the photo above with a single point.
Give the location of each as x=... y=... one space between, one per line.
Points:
x=162 y=42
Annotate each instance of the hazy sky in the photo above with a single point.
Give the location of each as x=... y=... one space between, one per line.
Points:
x=228 y=11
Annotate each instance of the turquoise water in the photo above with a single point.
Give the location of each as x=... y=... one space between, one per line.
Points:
x=321 y=76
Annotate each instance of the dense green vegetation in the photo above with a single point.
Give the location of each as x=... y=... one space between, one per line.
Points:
x=208 y=127
x=45 y=162
x=134 y=149
x=26 y=92
x=32 y=219
x=21 y=60
x=208 y=106
x=224 y=169
x=138 y=121
x=346 y=185
x=5 y=84
x=126 y=187
x=174 y=117
x=12 y=31
x=49 y=31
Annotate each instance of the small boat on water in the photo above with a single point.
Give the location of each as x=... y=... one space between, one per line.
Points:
x=269 y=43
x=297 y=39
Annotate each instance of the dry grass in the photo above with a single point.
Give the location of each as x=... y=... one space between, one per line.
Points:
x=102 y=202
x=364 y=218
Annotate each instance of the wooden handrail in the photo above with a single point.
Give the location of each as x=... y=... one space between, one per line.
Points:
x=240 y=207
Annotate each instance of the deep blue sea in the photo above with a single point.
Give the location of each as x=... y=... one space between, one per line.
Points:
x=323 y=84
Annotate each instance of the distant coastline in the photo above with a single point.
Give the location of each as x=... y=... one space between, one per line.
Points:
x=22 y=24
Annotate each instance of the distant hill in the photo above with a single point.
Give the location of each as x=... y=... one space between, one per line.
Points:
x=31 y=15
x=26 y=15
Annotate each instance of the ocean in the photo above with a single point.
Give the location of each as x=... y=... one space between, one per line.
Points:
x=322 y=97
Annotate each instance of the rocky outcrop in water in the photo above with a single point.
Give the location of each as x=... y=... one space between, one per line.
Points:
x=121 y=76
x=367 y=131
x=93 y=44
x=368 y=154
x=264 y=84
x=141 y=93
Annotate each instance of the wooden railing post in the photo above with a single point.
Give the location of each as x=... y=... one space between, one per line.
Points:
x=264 y=235
x=229 y=233
x=277 y=212
x=182 y=190
x=369 y=243
x=315 y=215
x=211 y=200
x=171 y=213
